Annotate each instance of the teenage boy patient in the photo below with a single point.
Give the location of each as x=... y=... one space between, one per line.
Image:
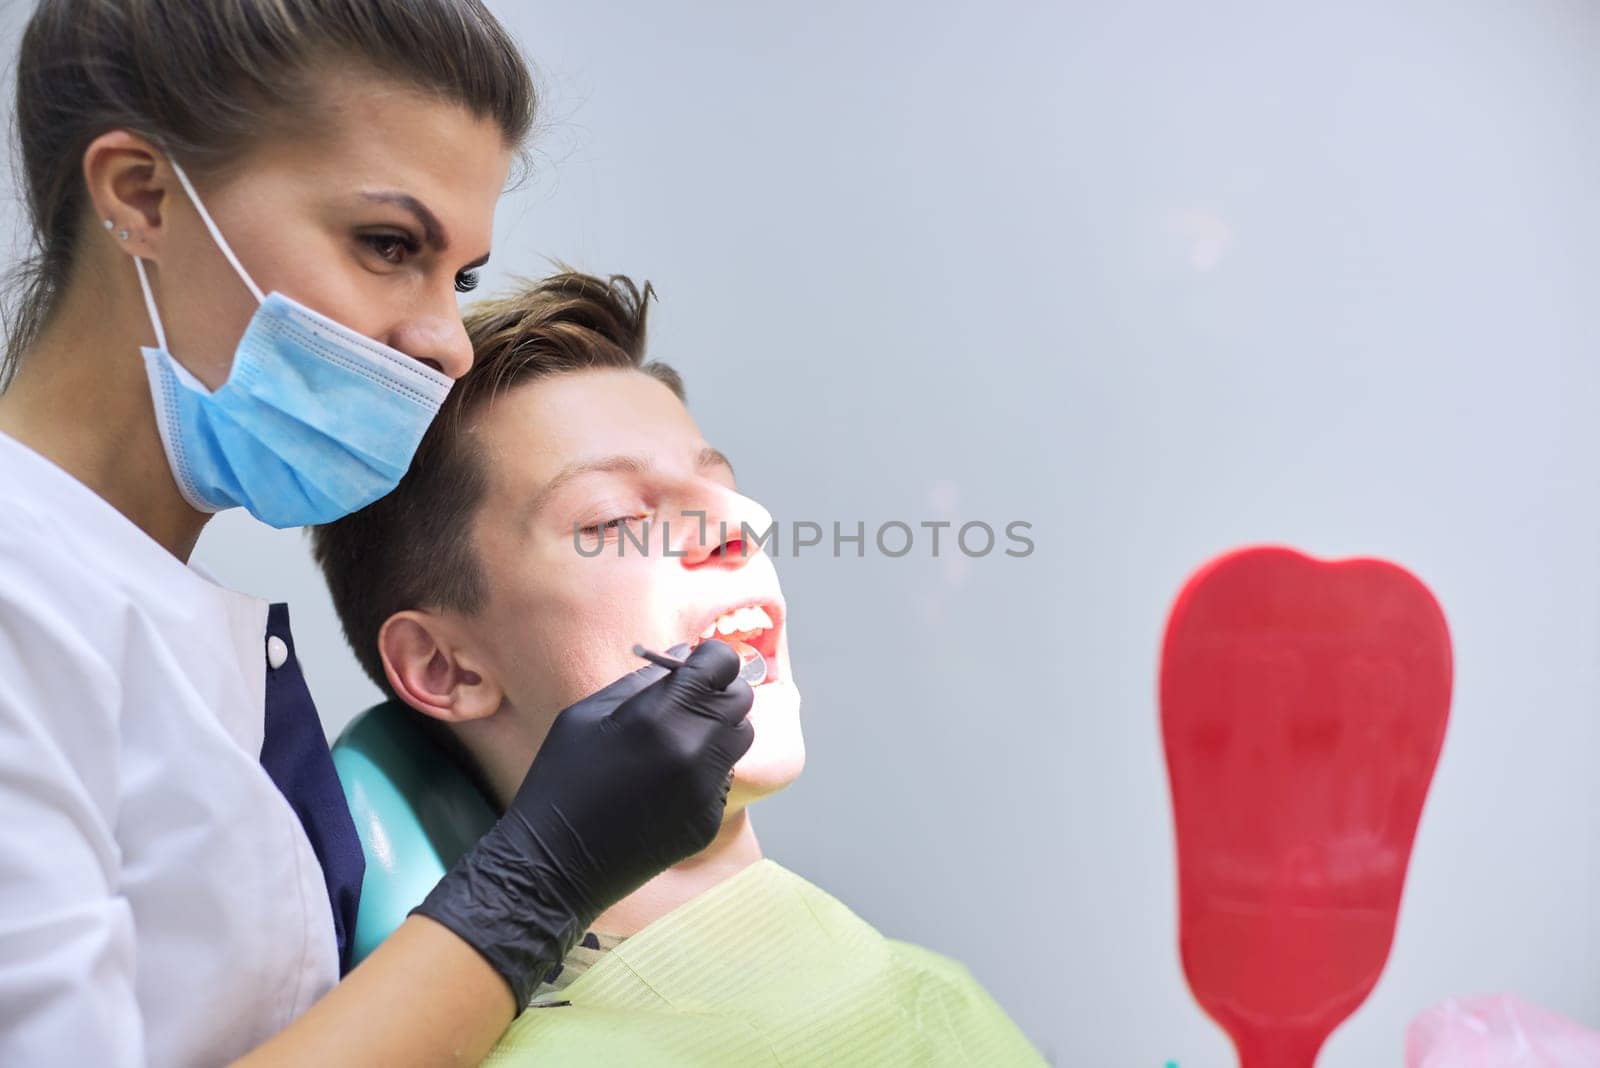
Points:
x=551 y=519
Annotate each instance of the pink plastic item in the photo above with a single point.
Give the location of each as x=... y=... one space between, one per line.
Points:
x=1498 y=1031
x=1303 y=704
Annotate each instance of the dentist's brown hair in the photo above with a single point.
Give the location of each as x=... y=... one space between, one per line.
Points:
x=411 y=548
x=205 y=79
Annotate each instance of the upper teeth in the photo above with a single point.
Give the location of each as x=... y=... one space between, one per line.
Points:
x=751 y=617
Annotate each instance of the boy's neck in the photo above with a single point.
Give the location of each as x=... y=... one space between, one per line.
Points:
x=734 y=849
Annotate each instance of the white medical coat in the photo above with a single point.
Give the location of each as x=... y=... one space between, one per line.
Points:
x=159 y=900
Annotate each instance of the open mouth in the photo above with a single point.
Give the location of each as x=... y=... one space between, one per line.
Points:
x=750 y=629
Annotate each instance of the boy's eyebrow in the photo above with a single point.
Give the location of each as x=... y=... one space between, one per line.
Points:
x=618 y=464
x=710 y=457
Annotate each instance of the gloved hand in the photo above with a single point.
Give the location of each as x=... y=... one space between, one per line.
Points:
x=629 y=781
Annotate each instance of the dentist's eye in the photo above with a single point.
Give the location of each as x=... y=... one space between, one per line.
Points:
x=391 y=247
x=466 y=281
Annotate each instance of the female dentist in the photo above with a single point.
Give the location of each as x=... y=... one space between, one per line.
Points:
x=251 y=219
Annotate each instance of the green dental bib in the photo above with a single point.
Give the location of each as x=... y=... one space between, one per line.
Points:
x=766 y=969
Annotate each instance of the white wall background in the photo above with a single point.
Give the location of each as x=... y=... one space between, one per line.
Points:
x=1161 y=279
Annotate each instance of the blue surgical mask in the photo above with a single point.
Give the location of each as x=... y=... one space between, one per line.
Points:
x=314 y=422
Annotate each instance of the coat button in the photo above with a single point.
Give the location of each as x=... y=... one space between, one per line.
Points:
x=277 y=652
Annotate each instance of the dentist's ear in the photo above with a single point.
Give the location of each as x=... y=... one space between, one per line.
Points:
x=432 y=668
x=128 y=179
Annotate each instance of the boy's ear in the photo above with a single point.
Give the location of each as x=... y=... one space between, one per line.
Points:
x=434 y=669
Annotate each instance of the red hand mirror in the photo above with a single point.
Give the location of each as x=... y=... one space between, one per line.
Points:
x=1303 y=705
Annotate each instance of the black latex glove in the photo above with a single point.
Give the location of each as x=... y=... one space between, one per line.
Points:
x=629 y=781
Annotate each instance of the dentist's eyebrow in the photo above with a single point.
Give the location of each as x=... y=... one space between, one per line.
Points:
x=433 y=231
x=626 y=465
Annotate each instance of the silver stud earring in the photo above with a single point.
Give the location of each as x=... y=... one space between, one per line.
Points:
x=110 y=224
x=122 y=235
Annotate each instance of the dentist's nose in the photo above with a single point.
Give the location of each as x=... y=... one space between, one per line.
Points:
x=440 y=341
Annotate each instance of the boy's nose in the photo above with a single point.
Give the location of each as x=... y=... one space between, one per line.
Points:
x=734 y=533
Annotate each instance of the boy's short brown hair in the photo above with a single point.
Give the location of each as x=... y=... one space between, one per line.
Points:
x=411 y=548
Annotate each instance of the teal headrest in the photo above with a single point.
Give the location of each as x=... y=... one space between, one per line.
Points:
x=416 y=810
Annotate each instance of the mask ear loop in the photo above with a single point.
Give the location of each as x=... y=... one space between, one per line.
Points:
x=216 y=235
x=150 y=303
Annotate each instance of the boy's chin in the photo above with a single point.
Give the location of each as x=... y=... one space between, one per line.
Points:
x=752 y=788
x=765 y=770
